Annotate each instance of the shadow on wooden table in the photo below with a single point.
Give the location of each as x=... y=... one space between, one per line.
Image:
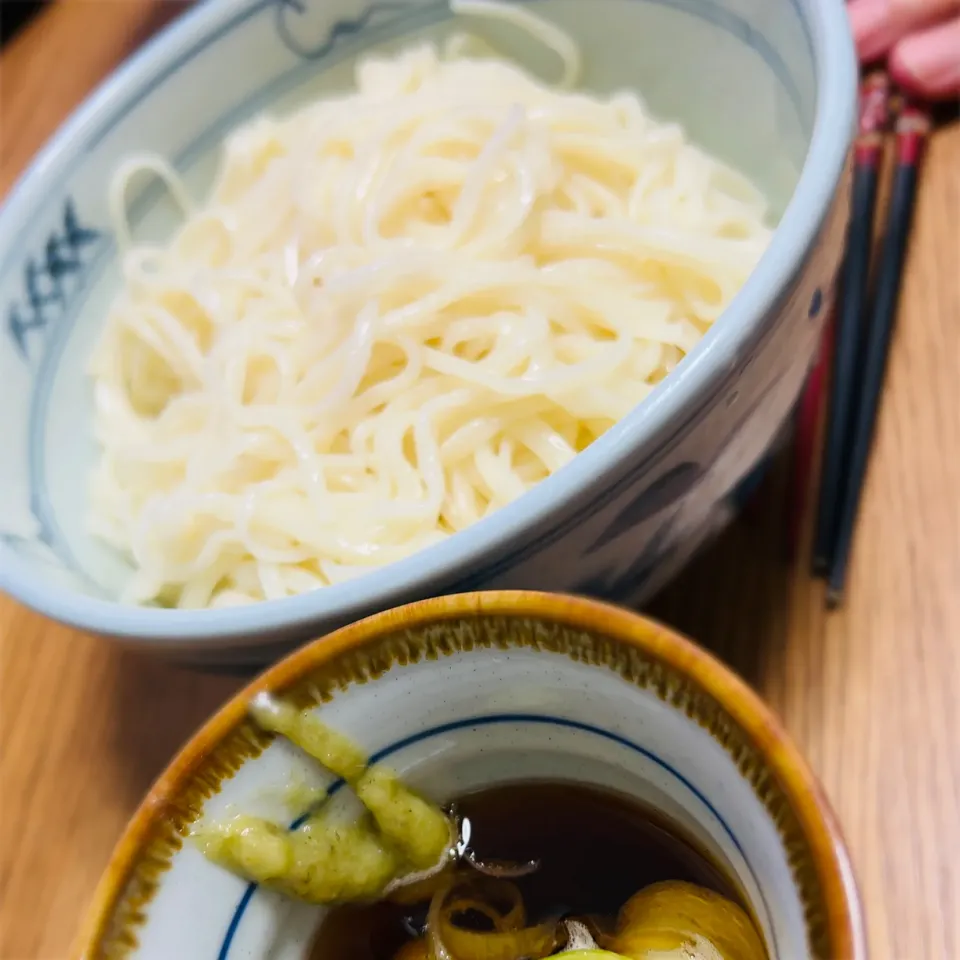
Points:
x=733 y=599
x=155 y=709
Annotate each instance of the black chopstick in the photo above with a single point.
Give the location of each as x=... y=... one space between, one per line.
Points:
x=913 y=128
x=868 y=153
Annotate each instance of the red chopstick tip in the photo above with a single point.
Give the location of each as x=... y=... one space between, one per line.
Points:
x=874 y=104
x=873 y=118
x=868 y=150
x=913 y=128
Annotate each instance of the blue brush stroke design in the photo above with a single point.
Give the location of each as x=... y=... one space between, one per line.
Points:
x=340 y=30
x=667 y=489
x=610 y=585
x=52 y=283
x=514 y=718
x=53 y=286
x=816 y=304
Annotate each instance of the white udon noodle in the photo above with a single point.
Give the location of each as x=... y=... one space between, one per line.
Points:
x=399 y=310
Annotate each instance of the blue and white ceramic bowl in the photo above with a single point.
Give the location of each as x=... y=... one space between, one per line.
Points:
x=768 y=85
x=461 y=693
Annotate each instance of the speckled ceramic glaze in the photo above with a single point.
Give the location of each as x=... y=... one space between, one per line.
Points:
x=465 y=692
x=768 y=85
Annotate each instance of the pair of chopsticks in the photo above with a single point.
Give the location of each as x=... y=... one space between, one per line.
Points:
x=858 y=335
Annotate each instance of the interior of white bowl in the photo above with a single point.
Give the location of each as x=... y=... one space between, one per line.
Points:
x=517 y=717
x=458 y=702
x=739 y=74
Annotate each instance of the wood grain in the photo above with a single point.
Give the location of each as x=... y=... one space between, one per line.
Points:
x=870 y=693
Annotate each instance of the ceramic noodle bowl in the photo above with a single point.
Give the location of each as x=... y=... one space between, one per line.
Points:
x=766 y=85
x=463 y=693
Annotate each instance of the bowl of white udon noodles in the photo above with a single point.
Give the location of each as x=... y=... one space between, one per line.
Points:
x=319 y=306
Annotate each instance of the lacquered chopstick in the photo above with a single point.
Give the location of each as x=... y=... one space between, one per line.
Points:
x=913 y=128
x=868 y=153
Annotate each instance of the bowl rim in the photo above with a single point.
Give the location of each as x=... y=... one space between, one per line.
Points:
x=745 y=707
x=447 y=563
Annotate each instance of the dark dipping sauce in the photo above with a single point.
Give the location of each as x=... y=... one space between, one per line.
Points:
x=596 y=850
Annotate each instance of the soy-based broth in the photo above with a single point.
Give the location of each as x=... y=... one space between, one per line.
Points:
x=595 y=851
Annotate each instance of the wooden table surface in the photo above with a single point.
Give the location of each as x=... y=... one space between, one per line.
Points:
x=871 y=693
